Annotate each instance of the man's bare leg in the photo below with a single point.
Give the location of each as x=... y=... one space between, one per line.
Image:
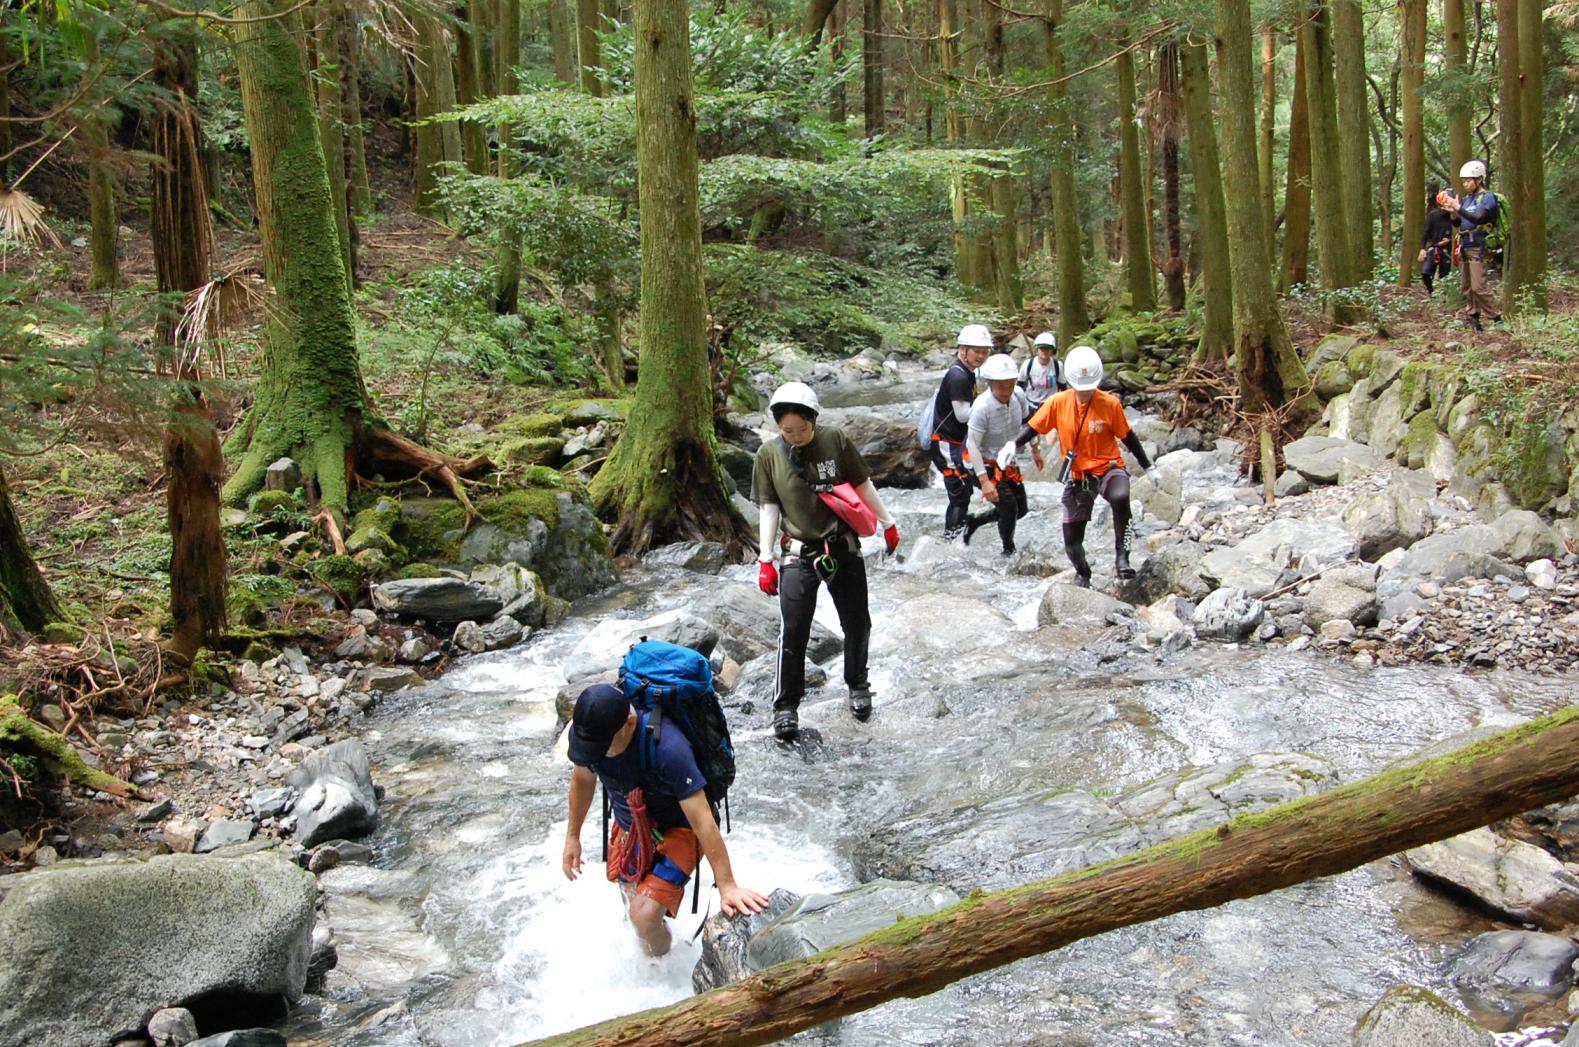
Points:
x=647 y=916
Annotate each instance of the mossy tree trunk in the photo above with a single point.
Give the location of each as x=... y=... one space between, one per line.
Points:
x=1168 y=126
x=662 y=482
x=1264 y=153
x=1530 y=236
x=1332 y=203
x=1217 y=316
x=26 y=601
x=193 y=461
x=1137 y=252
x=331 y=125
x=1296 y=192
x=1073 y=320
x=589 y=58
x=1529 y=766
x=1354 y=132
x=103 y=216
x=348 y=39
x=1508 y=178
x=1411 y=103
x=949 y=37
x=1455 y=53
x=1270 y=374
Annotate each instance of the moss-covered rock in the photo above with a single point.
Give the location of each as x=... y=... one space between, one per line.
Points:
x=1534 y=464
x=531 y=450
x=64 y=633
x=544 y=477
x=532 y=425
x=1333 y=379
x=1414 y=388
x=375 y=563
x=1418 y=441
x=383 y=515
x=579 y=412
x=342 y=574
x=40 y=747
x=370 y=537
x=419 y=570
x=1360 y=359
x=244 y=606
x=267 y=503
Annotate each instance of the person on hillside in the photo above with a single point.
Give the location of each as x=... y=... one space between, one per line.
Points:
x=995 y=420
x=950 y=420
x=791 y=476
x=1039 y=375
x=663 y=823
x=1436 y=244
x=1475 y=212
x=1088 y=425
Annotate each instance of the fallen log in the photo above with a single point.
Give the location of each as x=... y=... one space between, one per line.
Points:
x=1431 y=799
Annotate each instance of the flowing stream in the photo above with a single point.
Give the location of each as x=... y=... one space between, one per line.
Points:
x=465 y=932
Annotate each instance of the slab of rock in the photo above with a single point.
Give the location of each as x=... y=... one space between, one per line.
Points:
x=1522 y=536
x=1347 y=593
x=1408 y=1016
x=1512 y=877
x=225 y=831
x=282 y=475
x=701 y=557
x=1174 y=568
x=1228 y=614
x=1065 y=604
x=1320 y=459
x=87 y=950
x=1510 y=972
x=744 y=945
x=519 y=587
x=243 y=1038
x=390 y=679
x=1386 y=520
x=504 y=631
x=747 y=621
x=437 y=599
x=337 y=798
x=606 y=645
x=1256 y=564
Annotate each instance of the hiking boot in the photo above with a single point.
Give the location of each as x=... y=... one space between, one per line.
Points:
x=1008 y=549
x=786 y=724
x=1474 y=322
x=861 y=703
x=1121 y=565
x=1083 y=581
x=969 y=532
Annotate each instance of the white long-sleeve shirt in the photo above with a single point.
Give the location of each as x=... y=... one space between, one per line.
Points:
x=993 y=424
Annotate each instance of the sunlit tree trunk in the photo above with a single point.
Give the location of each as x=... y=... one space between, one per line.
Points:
x=1412 y=39
x=874 y=104
x=1073 y=319
x=1354 y=132
x=1332 y=204
x=562 y=41
x=26 y=601
x=1217 y=319
x=1270 y=374
x=662 y=481
x=1296 y=193
x=1137 y=254
x=1268 y=125
x=588 y=54
x=1508 y=178
x=1530 y=222
x=1456 y=60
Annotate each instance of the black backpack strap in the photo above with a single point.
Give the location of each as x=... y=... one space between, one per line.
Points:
x=605 y=793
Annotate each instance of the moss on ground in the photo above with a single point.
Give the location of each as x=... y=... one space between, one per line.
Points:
x=532 y=425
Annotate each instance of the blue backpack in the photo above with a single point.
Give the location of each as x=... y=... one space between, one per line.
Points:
x=669 y=683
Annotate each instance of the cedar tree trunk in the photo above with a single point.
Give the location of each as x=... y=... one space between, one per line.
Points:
x=25 y=598
x=1137 y=252
x=1456 y=56
x=1217 y=320
x=1354 y=132
x=1073 y=320
x=1296 y=193
x=1508 y=180
x=1412 y=39
x=1530 y=235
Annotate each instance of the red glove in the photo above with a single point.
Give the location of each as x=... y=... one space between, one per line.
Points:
x=891 y=536
x=768 y=576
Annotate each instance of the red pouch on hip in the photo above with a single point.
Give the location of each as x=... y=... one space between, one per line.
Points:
x=847 y=506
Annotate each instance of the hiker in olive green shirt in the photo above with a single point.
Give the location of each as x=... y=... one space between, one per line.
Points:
x=816 y=546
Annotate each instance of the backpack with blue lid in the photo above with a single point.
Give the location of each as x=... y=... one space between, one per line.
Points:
x=670 y=684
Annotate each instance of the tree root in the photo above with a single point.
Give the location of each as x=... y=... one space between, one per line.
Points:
x=378 y=450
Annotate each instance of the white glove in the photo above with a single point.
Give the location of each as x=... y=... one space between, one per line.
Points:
x=1006 y=455
x=1155 y=476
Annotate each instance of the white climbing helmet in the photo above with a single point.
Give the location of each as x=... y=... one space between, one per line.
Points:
x=1083 y=368
x=999 y=368
x=798 y=394
x=1046 y=338
x=976 y=336
x=1473 y=169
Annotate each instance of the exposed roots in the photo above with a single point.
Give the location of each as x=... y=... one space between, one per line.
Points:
x=380 y=451
x=1208 y=399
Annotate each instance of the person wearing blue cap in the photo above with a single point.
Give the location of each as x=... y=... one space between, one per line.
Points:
x=663 y=824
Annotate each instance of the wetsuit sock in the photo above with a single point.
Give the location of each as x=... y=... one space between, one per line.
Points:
x=1121 y=539
x=954 y=521
x=977 y=520
x=1075 y=549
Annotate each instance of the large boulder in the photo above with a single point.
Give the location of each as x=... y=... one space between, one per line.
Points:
x=1514 y=878
x=1347 y=594
x=337 y=798
x=748 y=623
x=888 y=446
x=438 y=599
x=1320 y=459
x=522 y=591
x=1256 y=564
x=701 y=557
x=1173 y=568
x=1065 y=604
x=88 y=951
x=1228 y=614
x=605 y=646
x=1523 y=536
x=1446 y=556
x=802 y=927
x=1386 y=520
x=1511 y=972
x=1408 y=1016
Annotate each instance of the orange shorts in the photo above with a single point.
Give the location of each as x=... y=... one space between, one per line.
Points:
x=678 y=855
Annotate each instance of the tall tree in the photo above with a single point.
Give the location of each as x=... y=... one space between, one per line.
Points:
x=1167 y=121
x=1530 y=235
x=26 y=601
x=1456 y=62
x=182 y=246
x=360 y=189
x=103 y=215
x=1297 y=191
x=662 y=482
x=1270 y=375
x=1332 y=221
x=1354 y=132
x=439 y=142
x=1211 y=221
x=1264 y=153
x=1508 y=179
x=325 y=52
x=1073 y=319
x=562 y=41
x=1137 y=248
x=1005 y=247
x=589 y=56
x=507 y=282
x=469 y=82
x=1412 y=42
x=874 y=102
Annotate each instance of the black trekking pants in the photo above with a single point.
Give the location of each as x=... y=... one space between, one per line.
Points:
x=958 y=481
x=798 y=585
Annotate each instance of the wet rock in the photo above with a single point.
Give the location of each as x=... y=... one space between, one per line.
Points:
x=325 y=957
x=1065 y=604
x=329 y=855
x=1320 y=459
x=468 y=637
x=888 y=446
x=606 y=645
x=747 y=621
x=437 y=599
x=1512 y=877
x=758 y=678
x=1509 y=972
x=243 y=1038
x=337 y=795
x=223 y=832
x=1173 y=568
x=1522 y=536
x=1347 y=593
x=504 y=631
x=701 y=557
x=520 y=588
x=1228 y=614
x=801 y=927
x=84 y=949
x=1408 y=1016
x=172 y=1027
x=386 y=680
x=1386 y=520
x=283 y=475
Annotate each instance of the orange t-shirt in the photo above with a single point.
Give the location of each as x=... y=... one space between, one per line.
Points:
x=1102 y=425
